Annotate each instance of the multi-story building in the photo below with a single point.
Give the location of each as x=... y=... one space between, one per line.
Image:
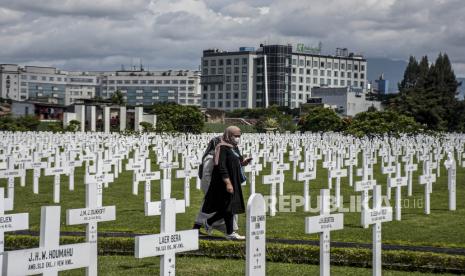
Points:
x=138 y=86
x=80 y=85
x=228 y=79
x=148 y=87
x=10 y=83
x=287 y=74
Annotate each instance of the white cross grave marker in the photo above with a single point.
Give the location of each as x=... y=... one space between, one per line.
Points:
x=50 y=257
x=376 y=216
x=91 y=215
x=451 y=180
x=324 y=224
x=427 y=179
x=256 y=236
x=398 y=182
x=168 y=242
x=147 y=176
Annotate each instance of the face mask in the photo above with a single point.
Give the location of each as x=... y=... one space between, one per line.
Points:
x=237 y=140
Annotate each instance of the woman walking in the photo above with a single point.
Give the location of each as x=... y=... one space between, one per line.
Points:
x=224 y=195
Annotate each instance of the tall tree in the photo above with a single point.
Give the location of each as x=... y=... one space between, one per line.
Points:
x=410 y=75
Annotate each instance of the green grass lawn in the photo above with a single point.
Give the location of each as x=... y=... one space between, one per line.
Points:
x=192 y=266
x=441 y=228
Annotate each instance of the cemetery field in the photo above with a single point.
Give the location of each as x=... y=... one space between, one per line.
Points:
x=200 y=266
x=442 y=227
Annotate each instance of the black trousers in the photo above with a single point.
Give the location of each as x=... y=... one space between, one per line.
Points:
x=228 y=220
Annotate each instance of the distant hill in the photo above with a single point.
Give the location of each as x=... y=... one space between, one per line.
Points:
x=393 y=70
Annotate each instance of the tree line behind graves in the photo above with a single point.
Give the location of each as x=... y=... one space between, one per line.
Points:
x=428 y=94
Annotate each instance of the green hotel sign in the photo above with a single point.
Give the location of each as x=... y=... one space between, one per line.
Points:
x=302 y=48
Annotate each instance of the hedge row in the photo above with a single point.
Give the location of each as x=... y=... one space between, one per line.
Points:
x=276 y=252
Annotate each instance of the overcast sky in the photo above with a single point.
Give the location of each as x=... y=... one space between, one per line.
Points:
x=171 y=34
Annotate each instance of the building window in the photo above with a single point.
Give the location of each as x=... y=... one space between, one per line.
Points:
x=228 y=62
x=205 y=62
x=236 y=86
x=236 y=61
x=213 y=63
x=244 y=61
x=220 y=96
x=236 y=70
x=363 y=67
x=220 y=62
x=322 y=73
x=294 y=61
x=244 y=69
x=244 y=86
x=236 y=78
x=228 y=70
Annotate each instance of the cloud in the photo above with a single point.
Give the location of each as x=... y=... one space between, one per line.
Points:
x=90 y=35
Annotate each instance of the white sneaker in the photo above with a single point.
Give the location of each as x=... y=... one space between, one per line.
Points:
x=234 y=236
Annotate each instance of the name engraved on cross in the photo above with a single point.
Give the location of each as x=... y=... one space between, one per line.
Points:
x=376 y=216
x=169 y=241
x=148 y=176
x=50 y=257
x=324 y=224
x=256 y=236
